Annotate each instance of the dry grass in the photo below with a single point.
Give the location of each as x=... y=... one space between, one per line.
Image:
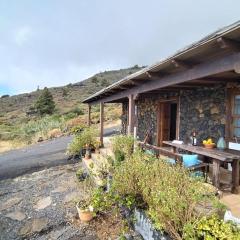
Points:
x=112 y=123
x=74 y=122
x=9 y=145
x=54 y=133
x=5 y=146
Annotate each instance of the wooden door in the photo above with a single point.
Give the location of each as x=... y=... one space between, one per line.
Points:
x=164 y=122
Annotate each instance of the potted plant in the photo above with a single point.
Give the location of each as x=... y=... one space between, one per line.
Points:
x=84 y=141
x=84 y=207
x=85 y=211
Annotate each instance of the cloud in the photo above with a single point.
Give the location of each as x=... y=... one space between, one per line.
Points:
x=52 y=43
x=22 y=35
x=20 y=80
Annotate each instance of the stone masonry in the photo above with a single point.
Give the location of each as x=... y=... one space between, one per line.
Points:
x=202 y=110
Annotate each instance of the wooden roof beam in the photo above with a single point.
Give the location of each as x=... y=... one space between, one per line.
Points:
x=206 y=82
x=154 y=76
x=112 y=90
x=228 y=43
x=176 y=89
x=192 y=85
x=237 y=68
x=181 y=64
x=135 y=82
x=121 y=88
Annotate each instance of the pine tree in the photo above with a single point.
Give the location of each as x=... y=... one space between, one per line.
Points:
x=45 y=103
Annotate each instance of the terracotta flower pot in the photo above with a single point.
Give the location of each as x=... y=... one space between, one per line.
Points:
x=85 y=215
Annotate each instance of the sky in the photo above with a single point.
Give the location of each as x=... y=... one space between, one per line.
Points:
x=56 y=42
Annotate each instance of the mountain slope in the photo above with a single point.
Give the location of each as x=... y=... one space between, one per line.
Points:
x=14 y=108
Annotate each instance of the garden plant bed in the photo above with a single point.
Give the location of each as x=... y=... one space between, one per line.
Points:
x=109 y=225
x=156 y=205
x=141 y=224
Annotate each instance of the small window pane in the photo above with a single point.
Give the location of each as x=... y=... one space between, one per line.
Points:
x=236 y=122
x=237 y=105
x=236 y=132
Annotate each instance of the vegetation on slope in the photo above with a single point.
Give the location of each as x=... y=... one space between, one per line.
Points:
x=67 y=98
x=22 y=119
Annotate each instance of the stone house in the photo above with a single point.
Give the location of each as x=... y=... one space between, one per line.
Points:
x=196 y=89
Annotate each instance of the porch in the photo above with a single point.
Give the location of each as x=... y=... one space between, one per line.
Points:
x=195 y=90
x=216 y=174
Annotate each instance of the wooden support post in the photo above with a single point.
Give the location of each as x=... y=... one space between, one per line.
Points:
x=235 y=176
x=131 y=114
x=216 y=173
x=101 y=122
x=89 y=115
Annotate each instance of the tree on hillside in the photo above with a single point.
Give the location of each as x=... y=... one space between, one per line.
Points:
x=45 y=103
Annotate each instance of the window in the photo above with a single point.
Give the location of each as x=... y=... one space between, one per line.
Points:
x=236 y=115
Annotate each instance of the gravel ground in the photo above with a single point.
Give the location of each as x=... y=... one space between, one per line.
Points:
x=41 y=205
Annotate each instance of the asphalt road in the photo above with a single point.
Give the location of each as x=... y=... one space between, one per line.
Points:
x=39 y=156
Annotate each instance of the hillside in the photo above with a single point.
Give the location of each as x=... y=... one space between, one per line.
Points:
x=13 y=109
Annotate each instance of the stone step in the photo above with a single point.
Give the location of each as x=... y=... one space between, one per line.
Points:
x=106 y=152
x=92 y=170
x=98 y=161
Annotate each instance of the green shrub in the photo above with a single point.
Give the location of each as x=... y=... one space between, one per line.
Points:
x=88 y=137
x=101 y=201
x=65 y=92
x=77 y=129
x=81 y=174
x=77 y=111
x=28 y=131
x=69 y=115
x=167 y=192
x=211 y=228
x=122 y=147
x=119 y=157
x=104 y=82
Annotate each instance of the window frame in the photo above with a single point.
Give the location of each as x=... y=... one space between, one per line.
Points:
x=231 y=116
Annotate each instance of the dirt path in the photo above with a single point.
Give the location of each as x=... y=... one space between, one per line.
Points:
x=41 y=205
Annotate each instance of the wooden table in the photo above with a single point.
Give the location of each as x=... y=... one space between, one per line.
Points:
x=218 y=156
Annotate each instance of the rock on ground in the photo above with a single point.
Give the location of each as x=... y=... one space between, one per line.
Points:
x=41 y=206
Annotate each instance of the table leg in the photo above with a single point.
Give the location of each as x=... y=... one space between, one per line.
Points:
x=235 y=176
x=174 y=149
x=216 y=173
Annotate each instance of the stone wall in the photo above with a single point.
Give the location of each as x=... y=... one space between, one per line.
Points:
x=203 y=110
x=124 y=118
x=147 y=118
x=147 y=115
